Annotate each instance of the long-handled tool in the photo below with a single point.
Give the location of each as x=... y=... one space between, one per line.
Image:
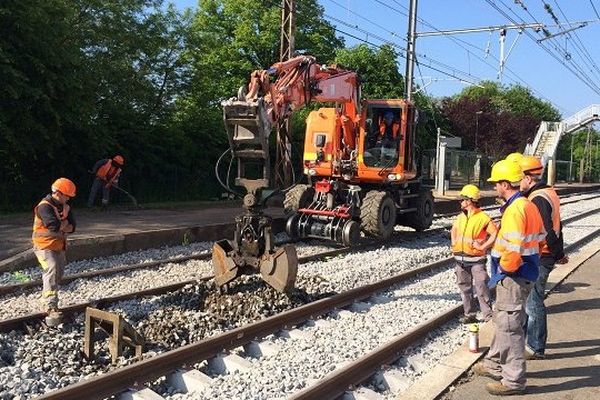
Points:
x=133 y=200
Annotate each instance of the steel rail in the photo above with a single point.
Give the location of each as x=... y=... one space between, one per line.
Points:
x=6 y=289
x=20 y=322
x=333 y=385
x=121 y=379
x=336 y=383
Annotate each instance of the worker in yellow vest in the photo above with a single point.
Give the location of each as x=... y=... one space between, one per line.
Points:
x=515 y=266
x=472 y=234
x=552 y=252
x=53 y=220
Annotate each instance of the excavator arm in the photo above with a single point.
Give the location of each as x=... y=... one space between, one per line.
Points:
x=271 y=97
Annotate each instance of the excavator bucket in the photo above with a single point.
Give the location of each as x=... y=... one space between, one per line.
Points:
x=279 y=269
x=224 y=266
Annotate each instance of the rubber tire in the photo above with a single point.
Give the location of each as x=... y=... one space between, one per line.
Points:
x=378 y=214
x=299 y=196
x=422 y=218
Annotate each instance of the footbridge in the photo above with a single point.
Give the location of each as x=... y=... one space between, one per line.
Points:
x=549 y=134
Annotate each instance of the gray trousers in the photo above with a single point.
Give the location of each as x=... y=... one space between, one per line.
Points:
x=507 y=351
x=98 y=185
x=474 y=277
x=53 y=265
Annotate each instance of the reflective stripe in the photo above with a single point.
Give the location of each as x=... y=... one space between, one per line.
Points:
x=531 y=251
x=467 y=258
x=495 y=253
x=465 y=239
x=509 y=245
x=49 y=293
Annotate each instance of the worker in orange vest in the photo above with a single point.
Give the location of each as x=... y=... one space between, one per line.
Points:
x=107 y=173
x=472 y=234
x=53 y=220
x=552 y=252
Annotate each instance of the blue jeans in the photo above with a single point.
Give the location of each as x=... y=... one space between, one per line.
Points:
x=98 y=186
x=536 y=320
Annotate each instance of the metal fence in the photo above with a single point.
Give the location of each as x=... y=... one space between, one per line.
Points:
x=462 y=167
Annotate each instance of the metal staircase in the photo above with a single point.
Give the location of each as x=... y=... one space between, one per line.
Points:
x=549 y=133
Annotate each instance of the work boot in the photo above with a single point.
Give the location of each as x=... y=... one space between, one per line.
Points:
x=532 y=355
x=468 y=319
x=499 y=389
x=54 y=317
x=481 y=370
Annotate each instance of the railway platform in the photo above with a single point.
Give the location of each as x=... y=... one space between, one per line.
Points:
x=571 y=369
x=114 y=231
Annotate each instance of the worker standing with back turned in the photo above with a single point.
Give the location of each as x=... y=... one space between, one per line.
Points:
x=107 y=173
x=472 y=234
x=53 y=220
x=515 y=268
x=552 y=252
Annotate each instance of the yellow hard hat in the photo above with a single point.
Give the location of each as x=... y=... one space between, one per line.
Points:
x=531 y=165
x=515 y=157
x=506 y=170
x=470 y=192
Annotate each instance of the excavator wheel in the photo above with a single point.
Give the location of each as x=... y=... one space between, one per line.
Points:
x=378 y=214
x=280 y=268
x=421 y=219
x=291 y=226
x=300 y=196
x=351 y=233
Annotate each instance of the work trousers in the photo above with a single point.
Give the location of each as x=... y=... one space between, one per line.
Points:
x=536 y=324
x=53 y=265
x=507 y=351
x=469 y=277
x=98 y=185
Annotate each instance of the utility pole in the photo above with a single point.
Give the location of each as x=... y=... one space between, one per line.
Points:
x=410 y=49
x=283 y=159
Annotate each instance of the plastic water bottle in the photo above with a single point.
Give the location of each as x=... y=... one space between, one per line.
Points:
x=474 y=338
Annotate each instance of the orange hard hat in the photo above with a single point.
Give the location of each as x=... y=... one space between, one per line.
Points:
x=531 y=165
x=119 y=160
x=65 y=186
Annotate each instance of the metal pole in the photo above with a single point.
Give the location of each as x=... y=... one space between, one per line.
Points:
x=410 y=49
x=571 y=160
x=283 y=161
x=477 y=114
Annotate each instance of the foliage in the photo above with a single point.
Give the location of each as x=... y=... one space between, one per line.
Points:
x=496 y=119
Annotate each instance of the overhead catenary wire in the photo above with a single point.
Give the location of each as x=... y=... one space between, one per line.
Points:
x=575 y=72
x=595 y=10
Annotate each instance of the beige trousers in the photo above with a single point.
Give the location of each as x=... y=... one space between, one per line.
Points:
x=507 y=351
x=53 y=265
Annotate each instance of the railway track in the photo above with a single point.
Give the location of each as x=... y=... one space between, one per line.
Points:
x=12 y=288
x=23 y=322
x=174 y=364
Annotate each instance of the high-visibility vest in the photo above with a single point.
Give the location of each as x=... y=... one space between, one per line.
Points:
x=108 y=173
x=517 y=247
x=395 y=129
x=42 y=237
x=549 y=194
x=468 y=228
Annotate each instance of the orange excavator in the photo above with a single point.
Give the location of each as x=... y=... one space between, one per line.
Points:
x=359 y=159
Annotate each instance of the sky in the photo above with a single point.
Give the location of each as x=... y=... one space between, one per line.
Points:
x=464 y=59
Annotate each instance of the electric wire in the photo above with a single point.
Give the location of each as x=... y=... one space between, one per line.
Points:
x=588 y=83
x=582 y=75
x=595 y=10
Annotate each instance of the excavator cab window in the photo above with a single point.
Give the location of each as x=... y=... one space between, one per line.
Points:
x=383 y=137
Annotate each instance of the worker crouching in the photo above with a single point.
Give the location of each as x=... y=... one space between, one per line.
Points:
x=515 y=268
x=53 y=220
x=472 y=234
